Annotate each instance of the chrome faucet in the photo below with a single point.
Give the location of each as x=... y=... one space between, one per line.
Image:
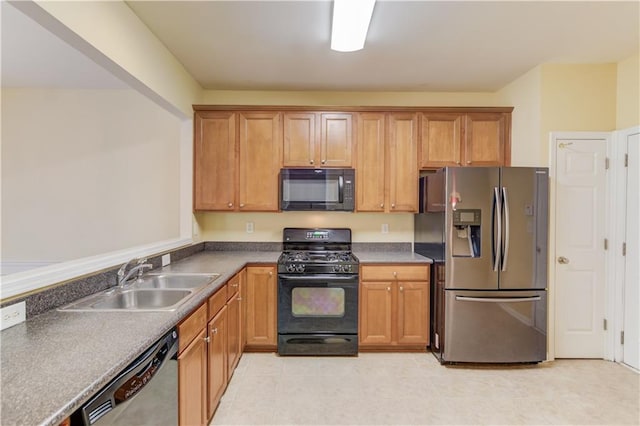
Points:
x=139 y=268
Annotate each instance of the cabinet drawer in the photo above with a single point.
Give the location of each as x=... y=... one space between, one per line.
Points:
x=394 y=272
x=217 y=301
x=233 y=285
x=190 y=327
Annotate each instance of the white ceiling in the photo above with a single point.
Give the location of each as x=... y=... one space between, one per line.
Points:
x=275 y=45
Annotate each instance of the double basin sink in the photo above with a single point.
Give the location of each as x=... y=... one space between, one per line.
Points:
x=151 y=292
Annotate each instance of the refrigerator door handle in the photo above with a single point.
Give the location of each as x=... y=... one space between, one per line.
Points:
x=498 y=299
x=496 y=219
x=505 y=250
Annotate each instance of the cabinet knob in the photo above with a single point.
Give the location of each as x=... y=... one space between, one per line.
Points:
x=458 y=163
x=388 y=288
x=241 y=205
x=207 y=339
x=401 y=288
x=230 y=205
x=310 y=161
x=270 y=273
x=239 y=298
x=323 y=161
x=468 y=161
x=234 y=285
x=395 y=274
x=393 y=206
x=381 y=205
x=215 y=330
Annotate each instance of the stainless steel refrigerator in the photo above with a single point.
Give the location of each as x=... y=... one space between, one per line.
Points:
x=488 y=228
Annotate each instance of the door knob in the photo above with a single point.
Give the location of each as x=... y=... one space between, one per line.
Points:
x=563 y=260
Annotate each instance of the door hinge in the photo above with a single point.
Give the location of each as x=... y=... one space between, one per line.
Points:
x=624 y=249
x=626 y=160
x=606 y=163
x=606 y=244
x=622 y=337
x=604 y=324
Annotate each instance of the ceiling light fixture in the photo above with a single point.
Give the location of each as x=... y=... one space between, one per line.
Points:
x=350 y=24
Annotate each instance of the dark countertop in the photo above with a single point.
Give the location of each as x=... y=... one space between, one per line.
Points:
x=51 y=364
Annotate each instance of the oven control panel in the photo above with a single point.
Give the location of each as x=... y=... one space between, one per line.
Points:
x=317 y=235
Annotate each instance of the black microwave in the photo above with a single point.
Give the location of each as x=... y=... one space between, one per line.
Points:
x=317 y=189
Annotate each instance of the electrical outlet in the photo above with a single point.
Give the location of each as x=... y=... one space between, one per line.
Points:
x=249 y=227
x=166 y=259
x=385 y=228
x=12 y=315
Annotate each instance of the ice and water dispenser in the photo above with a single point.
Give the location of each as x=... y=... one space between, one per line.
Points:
x=465 y=240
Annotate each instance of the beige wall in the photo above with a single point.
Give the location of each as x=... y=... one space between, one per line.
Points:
x=85 y=172
x=577 y=97
x=524 y=94
x=628 y=93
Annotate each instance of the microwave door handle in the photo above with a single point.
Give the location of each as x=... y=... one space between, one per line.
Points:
x=341 y=188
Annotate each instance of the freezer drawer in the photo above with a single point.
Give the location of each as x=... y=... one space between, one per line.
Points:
x=495 y=326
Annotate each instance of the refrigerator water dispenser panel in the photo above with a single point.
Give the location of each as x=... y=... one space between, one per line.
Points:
x=466 y=233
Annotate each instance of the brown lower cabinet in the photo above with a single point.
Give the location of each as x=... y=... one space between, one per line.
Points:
x=394 y=307
x=192 y=369
x=261 y=306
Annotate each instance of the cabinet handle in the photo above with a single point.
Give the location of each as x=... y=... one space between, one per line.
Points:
x=388 y=288
x=230 y=205
x=401 y=288
x=234 y=285
x=458 y=163
x=239 y=298
x=270 y=273
x=381 y=205
x=395 y=274
x=393 y=206
x=241 y=205
x=310 y=161
x=207 y=339
x=323 y=161
x=468 y=161
x=214 y=331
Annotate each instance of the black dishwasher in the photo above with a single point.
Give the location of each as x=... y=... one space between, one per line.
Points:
x=144 y=393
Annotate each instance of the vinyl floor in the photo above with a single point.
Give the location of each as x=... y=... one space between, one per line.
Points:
x=414 y=389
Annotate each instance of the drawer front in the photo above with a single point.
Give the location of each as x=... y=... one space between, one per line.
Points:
x=394 y=272
x=217 y=301
x=190 y=327
x=233 y=285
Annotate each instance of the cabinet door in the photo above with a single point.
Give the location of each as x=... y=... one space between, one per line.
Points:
x=192 y=383
x=484 y=139
x=403 y=162
x=261 y=307
x=299 y=148
x=370 y=169
x=336 y=139
x=233 y=334
x=215 y=162
x=217 y=360
x=260 y=160
x=413 y=313
x=375 y=313
x=441 y=140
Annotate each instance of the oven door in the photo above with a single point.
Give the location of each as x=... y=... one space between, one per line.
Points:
x=317 y=304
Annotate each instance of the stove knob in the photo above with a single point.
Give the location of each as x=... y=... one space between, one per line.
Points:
x=337 y=268
x=300 y=268
x=347 y=268
x=291 y=268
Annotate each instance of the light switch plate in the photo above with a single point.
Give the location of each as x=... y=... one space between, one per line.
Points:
x=249 y=227
x=12 y=315
x=166 y=259
x=385 y=228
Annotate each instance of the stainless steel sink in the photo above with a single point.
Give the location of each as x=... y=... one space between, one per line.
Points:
x=174 y=280
x=142 y=300
x=151 y=292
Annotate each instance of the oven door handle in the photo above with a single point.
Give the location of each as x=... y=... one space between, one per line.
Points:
x=315 y=277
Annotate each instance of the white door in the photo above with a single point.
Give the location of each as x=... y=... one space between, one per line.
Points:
x=631 y=345
x=579 y=247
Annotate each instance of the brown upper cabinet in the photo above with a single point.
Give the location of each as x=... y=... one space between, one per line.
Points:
x=465 y=139
x=387 y=173
x=318 y=139
x=237 y=158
